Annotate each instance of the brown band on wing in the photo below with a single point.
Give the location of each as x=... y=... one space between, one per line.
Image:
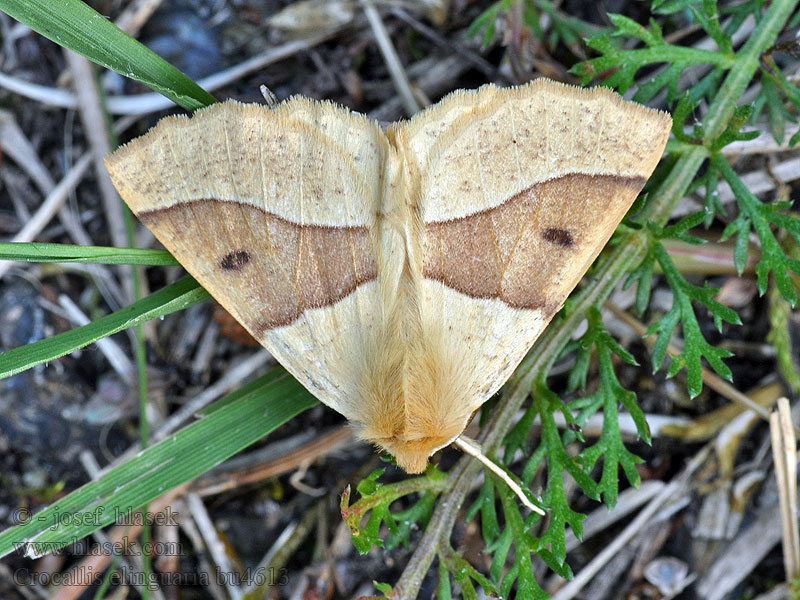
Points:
x=531 y=250
x=263 y=269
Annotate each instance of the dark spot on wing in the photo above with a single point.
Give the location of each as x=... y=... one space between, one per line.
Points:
x=234 y=261
x=559 y=237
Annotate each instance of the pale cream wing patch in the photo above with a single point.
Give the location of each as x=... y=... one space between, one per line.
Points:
x=274 y=212
x=516 y=193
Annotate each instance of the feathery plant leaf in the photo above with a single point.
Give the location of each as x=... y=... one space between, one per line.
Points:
x=515 y=535
x=754 y=214
x=525 y=545
x=558 y=459
x=375 y=499
x=607 y=397
x=695 y=345
x=623 y=64
x=558 y=462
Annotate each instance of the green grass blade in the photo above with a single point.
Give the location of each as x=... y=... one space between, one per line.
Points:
x=179 y=295
x=74 y=25
x=244 y=417
x=102 y=255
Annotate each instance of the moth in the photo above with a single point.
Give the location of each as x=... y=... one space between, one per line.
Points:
x=399 y=275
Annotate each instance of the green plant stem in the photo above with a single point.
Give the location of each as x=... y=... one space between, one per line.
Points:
x=630 y=250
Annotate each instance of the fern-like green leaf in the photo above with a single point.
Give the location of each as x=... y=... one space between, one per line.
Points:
x=374 y=504
x=608 y=395
x=623 y=64
x=761 y=217
x=696 y=346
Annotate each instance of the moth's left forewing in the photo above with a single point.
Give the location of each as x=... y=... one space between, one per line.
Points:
x=274 y=212
x=517 y=191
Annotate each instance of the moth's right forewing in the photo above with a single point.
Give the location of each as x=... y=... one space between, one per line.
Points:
x=517 y=192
